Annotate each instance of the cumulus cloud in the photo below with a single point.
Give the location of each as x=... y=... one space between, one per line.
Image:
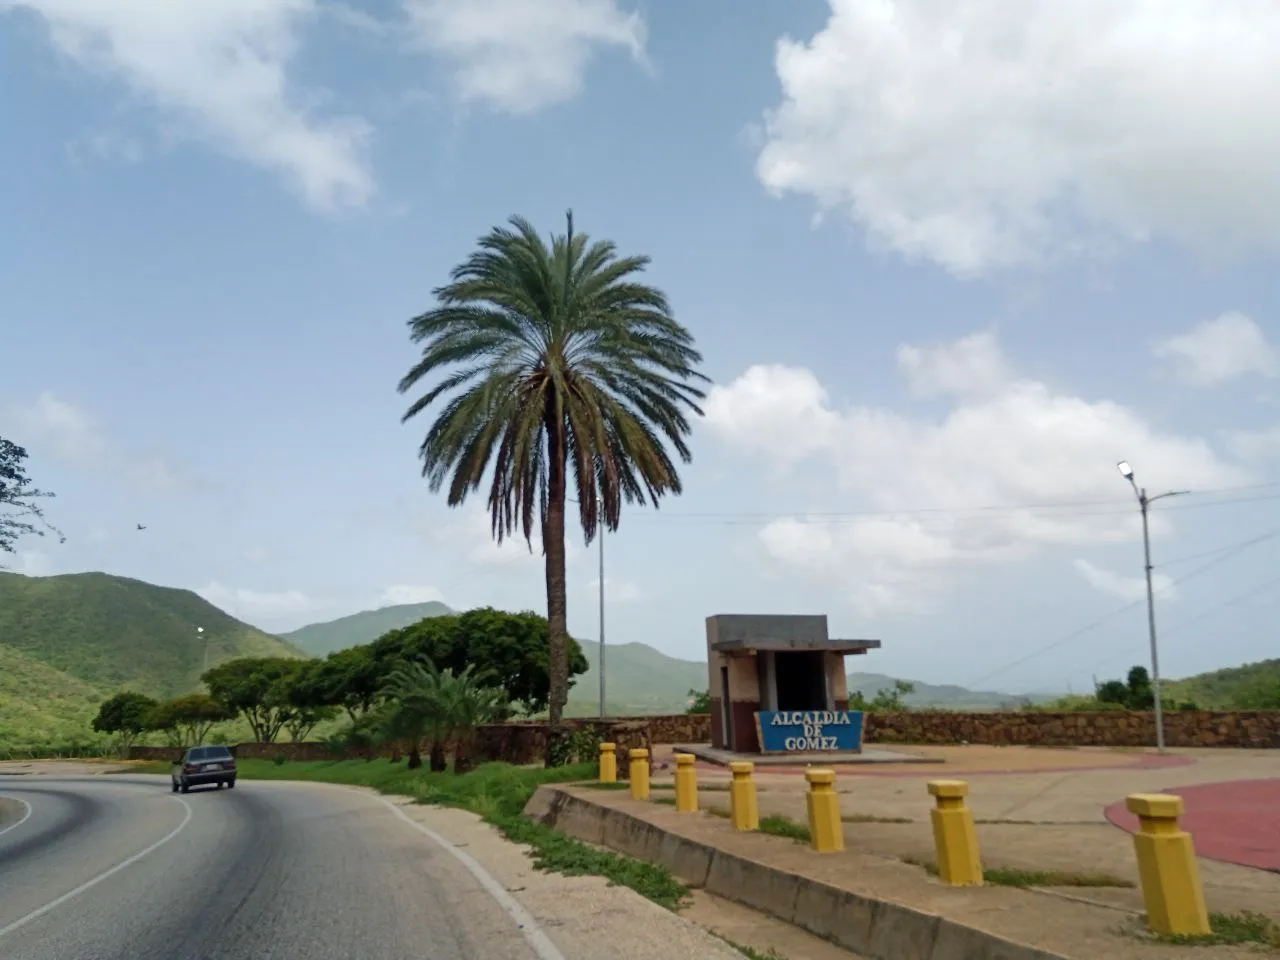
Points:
x=220 y=72
x=987 y=135
x=466 y=534
x=518 y=56
x=60 y=429
x=1221 y=349
x=403 y=593
x=1126 y=588
x=1006 y=470
x=972 y=365
x=264 y=609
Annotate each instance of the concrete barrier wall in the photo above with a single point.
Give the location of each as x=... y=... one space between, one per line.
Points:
x=872 y=928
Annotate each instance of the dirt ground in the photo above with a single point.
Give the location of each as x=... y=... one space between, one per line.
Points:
x=1037 y=809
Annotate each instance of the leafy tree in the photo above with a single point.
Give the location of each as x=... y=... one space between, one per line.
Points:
x=1262 y=695
x=1113 y=691
x=20 y=513
x=700 y=701
x=888 y=700
x=1141 y=694
x=509 y=649
x=187 y=720
x=562 y=369
x=126 y=715
x=257 y=688
x=470 y=700
x=350 y=679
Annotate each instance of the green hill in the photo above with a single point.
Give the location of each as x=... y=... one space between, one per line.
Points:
x=1220 y=689
x=941 y=696
x=67 y=642
x=640 y=680
x=322 y=639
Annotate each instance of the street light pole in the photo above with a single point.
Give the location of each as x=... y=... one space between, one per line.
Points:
x=1144 y=504
x=600 y=534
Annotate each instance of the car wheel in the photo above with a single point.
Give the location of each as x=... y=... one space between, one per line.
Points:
x=231 y=784
x=174 y=784
x=185 y=787
x=220 y=784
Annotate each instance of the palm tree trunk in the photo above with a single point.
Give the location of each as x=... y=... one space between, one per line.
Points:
x=415 y=756
x=553 y=548
x=439 y=762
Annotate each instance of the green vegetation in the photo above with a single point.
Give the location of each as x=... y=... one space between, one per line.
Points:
x=20 y=513
x=780 y=826
x=752 y=954
x=1253 y=686
x=561 y=369
x=1132 y=693
x=1233 y=928
x=497 y=792
x=1013 y=877
x=41 y=706
x=321 y=639
x=115 y=633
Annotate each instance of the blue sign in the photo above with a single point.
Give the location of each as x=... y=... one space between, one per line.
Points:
x=809 y=731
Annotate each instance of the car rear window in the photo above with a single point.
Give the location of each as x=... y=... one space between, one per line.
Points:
x=210 y=753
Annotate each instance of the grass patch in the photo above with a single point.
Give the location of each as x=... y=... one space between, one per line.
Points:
x=497 y=792
x=872 y=818
x=1011 y=877
x=597 y=785
x=785 y=827
x=753 y=954
x=666 y=801
x=1233 y=928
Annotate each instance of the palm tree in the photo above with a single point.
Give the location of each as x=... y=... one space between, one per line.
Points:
x=416 y=708
x=562 y=368
x=470 y=701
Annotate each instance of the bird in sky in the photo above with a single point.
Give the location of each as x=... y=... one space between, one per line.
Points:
x=141 y=527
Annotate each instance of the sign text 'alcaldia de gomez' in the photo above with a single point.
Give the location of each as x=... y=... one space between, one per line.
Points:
x=809 y=731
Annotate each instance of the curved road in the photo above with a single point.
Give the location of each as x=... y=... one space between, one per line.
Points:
x=109 y=867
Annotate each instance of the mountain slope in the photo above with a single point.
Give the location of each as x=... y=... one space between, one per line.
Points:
x=40 y=704
x=113 y=632
x=639 y=678
x=947 y=696
x=321 y=639
x=1219 y=689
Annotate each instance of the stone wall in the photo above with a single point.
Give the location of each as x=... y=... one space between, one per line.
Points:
x=1118 y=728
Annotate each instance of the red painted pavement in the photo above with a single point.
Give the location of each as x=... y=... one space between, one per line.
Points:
x=1236 y=822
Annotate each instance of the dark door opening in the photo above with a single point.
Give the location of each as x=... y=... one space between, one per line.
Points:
x=726 y=709
x=802 y=680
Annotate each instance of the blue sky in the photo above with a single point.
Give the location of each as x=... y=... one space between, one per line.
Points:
x=946 y=268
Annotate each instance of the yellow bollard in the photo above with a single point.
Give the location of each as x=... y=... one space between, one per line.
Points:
x=954 y=838
x=686 y=783
x=640 y=774
x=608 y=763
x=826 y=832
x=744 y=806
x=1167 y=865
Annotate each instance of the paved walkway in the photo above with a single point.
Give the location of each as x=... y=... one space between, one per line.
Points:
x=1235 y=822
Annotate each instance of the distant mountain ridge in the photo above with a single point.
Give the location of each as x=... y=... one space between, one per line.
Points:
x=69 y=641
x=322 y=639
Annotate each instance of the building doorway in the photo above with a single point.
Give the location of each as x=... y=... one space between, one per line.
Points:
x=726 y=709
x=801 y=678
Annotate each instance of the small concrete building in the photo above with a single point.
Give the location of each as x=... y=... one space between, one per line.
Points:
x=767 y=662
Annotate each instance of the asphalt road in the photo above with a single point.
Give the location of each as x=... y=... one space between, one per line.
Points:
x=106 y=867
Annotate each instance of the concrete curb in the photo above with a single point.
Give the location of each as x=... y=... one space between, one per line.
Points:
x=876 y=929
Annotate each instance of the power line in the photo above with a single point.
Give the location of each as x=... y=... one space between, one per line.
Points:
x=1224 y=554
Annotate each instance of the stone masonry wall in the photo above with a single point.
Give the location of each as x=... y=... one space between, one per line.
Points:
x=526 y=742
x=1118 y=728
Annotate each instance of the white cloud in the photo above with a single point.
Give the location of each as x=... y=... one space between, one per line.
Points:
x=1126 y=588
x=262 y=609
x=1255 y=445
x=618 y=591
x=403 y=593
x=70 y=434
x=521 y=56
x=1221 y=349
x=987 y=134
x=972 y=365
x=923 y=488
x=221 y=71
x=30 y=563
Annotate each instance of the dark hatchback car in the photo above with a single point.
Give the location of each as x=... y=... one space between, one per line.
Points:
x=204 y=765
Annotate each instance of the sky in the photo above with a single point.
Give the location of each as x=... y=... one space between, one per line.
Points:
x=946 y=263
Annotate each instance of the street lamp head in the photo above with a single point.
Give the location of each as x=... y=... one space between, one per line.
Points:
x=1126 y=471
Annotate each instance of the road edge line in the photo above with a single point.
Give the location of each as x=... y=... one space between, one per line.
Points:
x=110 y=872
x=21 y=820
x=538 y=940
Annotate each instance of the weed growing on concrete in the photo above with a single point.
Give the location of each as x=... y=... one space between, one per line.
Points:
x=872 y=818
x=751 y=953
x=1012 y=877
x=1243 y=927
x=597 y=785
x=785 y=827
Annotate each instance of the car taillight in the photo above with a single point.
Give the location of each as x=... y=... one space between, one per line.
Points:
x=190 y=768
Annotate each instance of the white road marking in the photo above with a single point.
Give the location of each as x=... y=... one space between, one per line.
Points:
x=71 y=894
x=21 y=820
x=539 y=941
